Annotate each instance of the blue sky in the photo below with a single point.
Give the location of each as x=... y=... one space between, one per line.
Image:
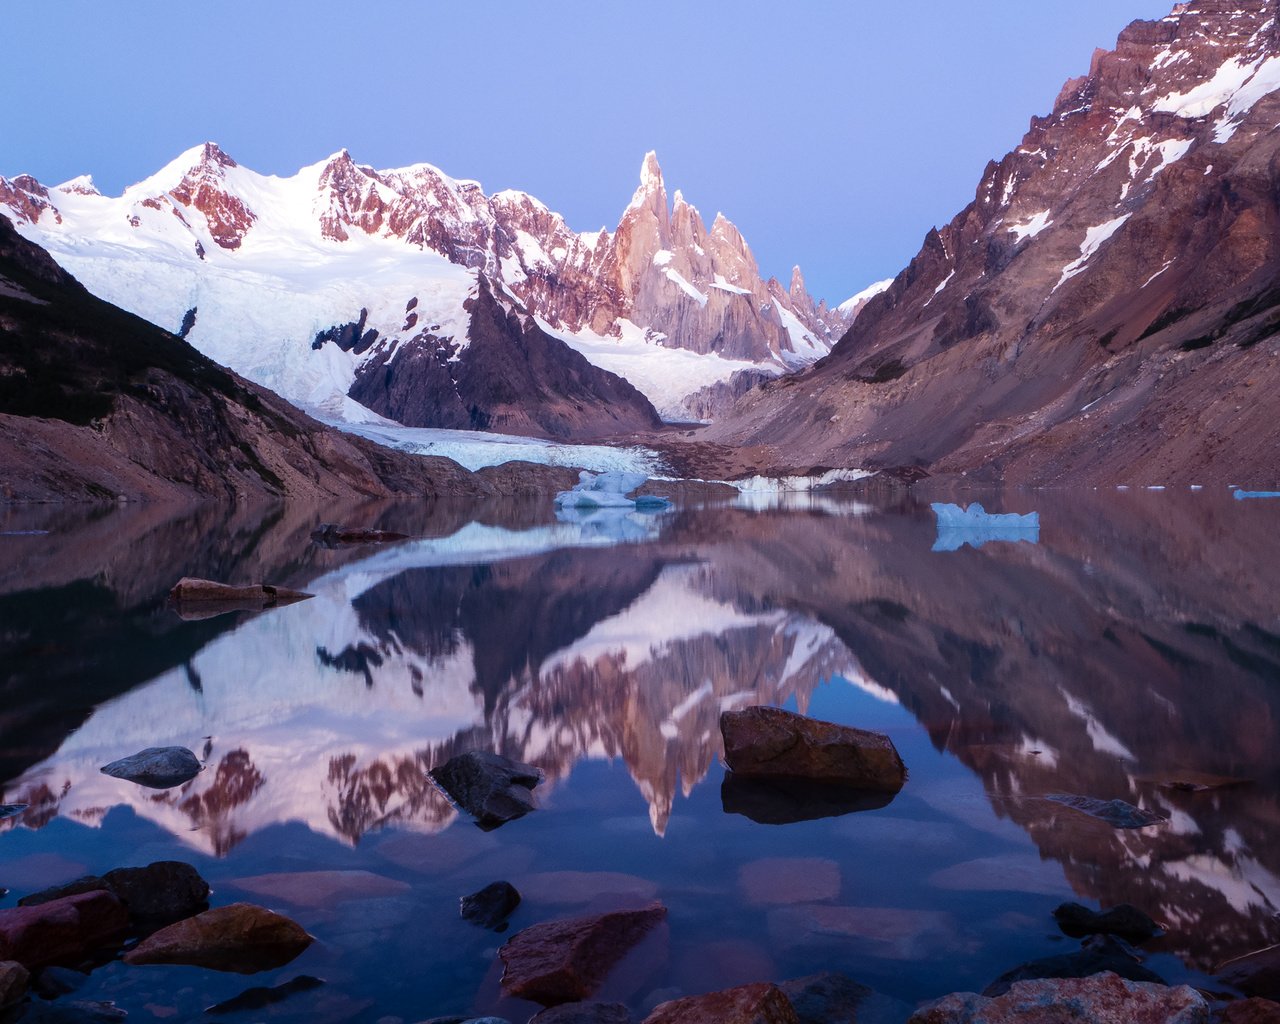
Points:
x=835 y=133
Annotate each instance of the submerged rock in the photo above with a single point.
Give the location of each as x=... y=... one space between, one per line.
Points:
x=54 y=981
x=491 y=906
x=1116 y=813
x=156 y=767
x=242 y=938
x=761 y=1003
x=80 y=1011
x=492 y=788
x=1099 y=954
x=64 y=929
x=1124 y=920
x=332 y=535
x=1101 y=999
x=260 y=997
x=1249 y=1011
x=771 y=742
x=566 y=961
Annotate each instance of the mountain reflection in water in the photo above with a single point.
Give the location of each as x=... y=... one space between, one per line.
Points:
x=1133 y=652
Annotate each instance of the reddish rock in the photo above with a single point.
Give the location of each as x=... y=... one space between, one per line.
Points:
x=764 y=741
x=584 y=1013
x=1101 y=999
x=761 y=1003
x=190 y=590
x=242 y=938
x=567 y=961
x=163 y=891
x=61 y=929
x=790 y=880
x=1257 y=974
x=1249 y=1011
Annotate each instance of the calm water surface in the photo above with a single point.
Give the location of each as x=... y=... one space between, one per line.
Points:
x=1136 y=644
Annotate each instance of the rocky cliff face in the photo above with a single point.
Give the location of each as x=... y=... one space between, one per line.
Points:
x=1105 y=309
x=97 y=404
x=268 y=264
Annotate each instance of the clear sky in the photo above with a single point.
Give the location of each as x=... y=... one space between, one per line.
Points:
x=835 y=133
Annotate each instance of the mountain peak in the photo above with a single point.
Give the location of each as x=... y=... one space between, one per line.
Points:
x=651 y=172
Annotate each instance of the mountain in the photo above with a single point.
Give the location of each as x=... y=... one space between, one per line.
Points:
x=1104 y=311
x=98 y=404
x=401 y=270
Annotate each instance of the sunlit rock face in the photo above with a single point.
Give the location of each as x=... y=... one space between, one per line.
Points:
x=1104 y=309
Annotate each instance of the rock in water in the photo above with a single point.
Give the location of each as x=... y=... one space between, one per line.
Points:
x=584 y=1013
x=242 y=938
x=1102 y=953
x=1256 y=974
x=1101 y=999
x=62 y=929
x=491 y=906
x=764 y=741
x=14 y=979
x=166 y=890
x=156 y=767
x=1124 y=920
x=825 y=998
x=567 y=961
x=190 y=590
x=761 y=1003
x=492 y=788
x=1116 y=813
x=333 y=535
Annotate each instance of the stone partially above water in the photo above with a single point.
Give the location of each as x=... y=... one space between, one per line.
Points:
x=156 y=767
x=241 y=938
x=492 y=788
x=1101 y=999
x=64 y=929
x=761 y=1003
x=333 y=535
x=491 y=906
x=771 y=742
x=1101 y=953
x=166 y=890
x=14 y=980
x=1116 y=813
x=567 y=961
x=1124 y=920
x=195 y=598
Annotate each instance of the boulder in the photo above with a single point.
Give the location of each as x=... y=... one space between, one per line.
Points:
x=1124 y=920
x=567 y=961
x=52 y=982
x=156 y=767
x=332 y=535
x=1116 y=813
x=14 y=980
x=761 y=1003
x=1101 y=953
x=765 y=741
x=166 y=890
x=492 y=788
x=491 y=906
x=190 y=590
x=1101 y=999
x=1249 y=1011
x=584 y=1013
x=242 y=938
x=825 y=998
x=1256 y=974
x=65 y=929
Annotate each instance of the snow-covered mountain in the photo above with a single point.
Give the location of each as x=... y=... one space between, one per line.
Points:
x=1105 y=309
x=343 y=279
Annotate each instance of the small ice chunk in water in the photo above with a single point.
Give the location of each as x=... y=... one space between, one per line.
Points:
x=976 y=526
x=609 y=490
x=1240 y=495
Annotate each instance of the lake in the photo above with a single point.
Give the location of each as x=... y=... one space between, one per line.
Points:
x=1130 y=651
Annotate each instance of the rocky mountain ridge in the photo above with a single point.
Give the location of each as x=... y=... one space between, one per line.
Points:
x=253 y=269
x=1105 y=310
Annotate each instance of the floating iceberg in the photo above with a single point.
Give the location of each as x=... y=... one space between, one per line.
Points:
x=976 y=526
x=609 y=490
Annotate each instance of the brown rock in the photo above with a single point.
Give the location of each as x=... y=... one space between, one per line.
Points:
x=766 y=741
x=826 y=998
x=332 y=535
x=241 y=937
x=1257 y=974
x=61 y=929
x=567 y=961
x=761 y=1003
x=1101 y=999
x=190 y=590
x=790 y=880
x=1249 y=1011
x=14 y=979
x=584 y=1013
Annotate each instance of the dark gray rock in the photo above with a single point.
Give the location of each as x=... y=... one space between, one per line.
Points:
x=165 y=891
x=825 y=998
x=14 y=979
x=79 y=1012
x=1124 y=920
x=259 y=997
x=492 y=788
x=53 y=982
x=584 y=1013
x=1102 y=953
x=11 y=810
x=1116 y=813
x=86 y=883
x=491 y=906
x=156 y=767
